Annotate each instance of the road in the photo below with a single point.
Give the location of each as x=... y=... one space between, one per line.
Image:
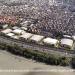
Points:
x=34 y=46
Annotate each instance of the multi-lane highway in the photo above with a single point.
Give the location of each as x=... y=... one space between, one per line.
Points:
x=34 y=46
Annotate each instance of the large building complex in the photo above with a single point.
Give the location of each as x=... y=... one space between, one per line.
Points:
x=45 y=23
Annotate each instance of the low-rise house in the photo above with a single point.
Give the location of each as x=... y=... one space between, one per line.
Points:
x=37 y=38
x=66 y=43
x=50 y=41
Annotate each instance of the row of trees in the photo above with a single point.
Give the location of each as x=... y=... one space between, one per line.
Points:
x=39 y=56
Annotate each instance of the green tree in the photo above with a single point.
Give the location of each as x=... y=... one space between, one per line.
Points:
x=73 y=62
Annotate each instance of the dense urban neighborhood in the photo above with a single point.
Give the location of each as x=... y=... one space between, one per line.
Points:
x=39 y=29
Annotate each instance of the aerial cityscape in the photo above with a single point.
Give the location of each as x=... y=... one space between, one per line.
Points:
x=40 y=31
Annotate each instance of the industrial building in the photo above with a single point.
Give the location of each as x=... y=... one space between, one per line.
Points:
x=36 y=38
x=66 y=43
x=24 y=28
x=18 y=31
x=67 y=36
x=51 y=41
x=73 y=37
x=26 y=36
x=15 y=27
x=6 y=31
x=10 y=34
x=15 y=37
x=3 y=26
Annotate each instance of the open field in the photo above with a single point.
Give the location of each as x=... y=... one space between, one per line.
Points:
x=9 y=61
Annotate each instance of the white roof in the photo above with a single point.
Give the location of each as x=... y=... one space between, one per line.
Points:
x=5 y=25
x=24 y=28
x=50 y=40
x=26 y=35
x=68 y=42
x=37 y=38
x=10 y=34
x=67 y=36
x=25 y=23
x=15 y=27
x=18 y=31
x=6 y=31
x=15 y=37
x=73 y=37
